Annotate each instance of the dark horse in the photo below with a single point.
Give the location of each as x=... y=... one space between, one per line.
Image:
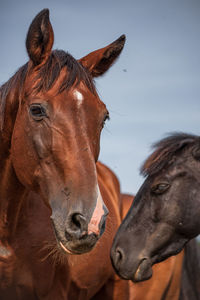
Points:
x=165 y=283
x=165 y=214
x=54 y=198
x=176 y=278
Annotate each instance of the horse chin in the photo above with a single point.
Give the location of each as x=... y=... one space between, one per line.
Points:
x=77 y=247
x=144 y=271
x=65 y=249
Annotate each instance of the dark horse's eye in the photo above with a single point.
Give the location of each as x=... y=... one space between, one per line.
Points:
x=37 y=111
x=160 y=188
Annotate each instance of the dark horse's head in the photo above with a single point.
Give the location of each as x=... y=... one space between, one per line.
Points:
x=54 y=117
x=165 y=213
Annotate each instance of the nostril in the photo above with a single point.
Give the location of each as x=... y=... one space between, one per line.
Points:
x=119 y=256
x=78 y=222
x=76 y=226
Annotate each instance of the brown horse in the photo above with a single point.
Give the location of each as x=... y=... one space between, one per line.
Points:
x=165 y=283
x=165 y=213
x=54 y=199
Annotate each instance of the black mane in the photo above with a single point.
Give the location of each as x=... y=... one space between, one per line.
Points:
x=165 y=149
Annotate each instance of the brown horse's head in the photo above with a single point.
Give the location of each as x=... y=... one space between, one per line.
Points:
x=165 y=213
x=56 y=127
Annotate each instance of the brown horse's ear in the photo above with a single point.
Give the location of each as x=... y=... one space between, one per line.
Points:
x=40 y=38
x=196 y=151
x=99 y=61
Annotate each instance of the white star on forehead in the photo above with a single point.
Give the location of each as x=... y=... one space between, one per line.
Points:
x=78 y=96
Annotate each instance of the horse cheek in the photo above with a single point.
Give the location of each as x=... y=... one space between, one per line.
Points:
x=23 y=158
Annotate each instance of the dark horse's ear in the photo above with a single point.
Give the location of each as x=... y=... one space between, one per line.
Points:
x=39 y=40
x=196 y=151
x=99 y=61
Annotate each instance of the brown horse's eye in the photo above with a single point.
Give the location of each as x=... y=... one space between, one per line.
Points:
x=37 y=111
x=160 y=188
x=106 y=117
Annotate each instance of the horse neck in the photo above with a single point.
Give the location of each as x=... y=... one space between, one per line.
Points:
x=11 y=190
x=11 y=196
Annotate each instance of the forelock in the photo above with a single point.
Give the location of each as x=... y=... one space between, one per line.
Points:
x=165 y=150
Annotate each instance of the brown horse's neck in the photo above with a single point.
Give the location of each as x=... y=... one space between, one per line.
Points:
x=11 y=190
x=11 y=196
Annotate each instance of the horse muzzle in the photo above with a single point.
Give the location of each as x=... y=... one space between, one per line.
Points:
x=128 y=267
x=77 y=235
x=144 y=270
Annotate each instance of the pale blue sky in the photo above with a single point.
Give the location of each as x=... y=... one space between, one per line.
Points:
x=160 y=90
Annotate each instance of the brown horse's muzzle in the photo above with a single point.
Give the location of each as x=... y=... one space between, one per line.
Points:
x=77 y=234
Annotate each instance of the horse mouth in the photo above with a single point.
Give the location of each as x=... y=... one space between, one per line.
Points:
x=144 y=271
x=76 y=248
x=66 y=250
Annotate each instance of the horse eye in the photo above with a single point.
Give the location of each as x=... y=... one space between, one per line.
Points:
x=160 y=188
x=106 y=117
x=37 y=111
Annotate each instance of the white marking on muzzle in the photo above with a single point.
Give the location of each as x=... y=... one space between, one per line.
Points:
x=93 y=226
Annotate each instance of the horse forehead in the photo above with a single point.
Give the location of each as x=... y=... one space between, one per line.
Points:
x=78 y=97
x=81 y=97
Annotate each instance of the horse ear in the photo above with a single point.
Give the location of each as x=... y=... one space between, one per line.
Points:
x=99 y=61
x=196 y=151
x=39 y=40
